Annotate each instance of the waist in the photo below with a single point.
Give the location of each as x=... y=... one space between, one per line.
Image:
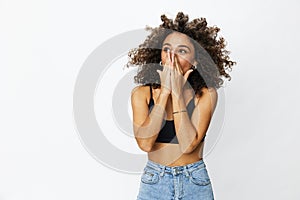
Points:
x=175 y=169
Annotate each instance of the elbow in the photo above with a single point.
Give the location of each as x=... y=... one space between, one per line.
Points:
x=187 y=150
x=190 y=146
x=144 y=143
x=144 y=146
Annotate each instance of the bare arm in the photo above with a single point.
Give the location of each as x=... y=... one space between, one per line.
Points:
x=190 y=132
x=146 y=126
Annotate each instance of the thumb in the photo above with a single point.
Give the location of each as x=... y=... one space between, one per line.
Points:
x=158 y=71
x=186 y=75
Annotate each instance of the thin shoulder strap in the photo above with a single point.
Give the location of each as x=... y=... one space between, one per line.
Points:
x=194 y=100
x=150 y=92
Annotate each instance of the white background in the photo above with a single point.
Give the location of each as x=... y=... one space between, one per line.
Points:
x=43 y=45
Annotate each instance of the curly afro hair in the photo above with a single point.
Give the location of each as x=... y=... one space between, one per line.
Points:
x=210 y=53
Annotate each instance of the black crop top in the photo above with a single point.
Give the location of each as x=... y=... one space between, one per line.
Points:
x=167 y=134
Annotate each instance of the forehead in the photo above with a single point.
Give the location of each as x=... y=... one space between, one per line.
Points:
x=177 y=38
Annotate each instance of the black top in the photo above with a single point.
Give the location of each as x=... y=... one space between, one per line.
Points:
x=167 y=133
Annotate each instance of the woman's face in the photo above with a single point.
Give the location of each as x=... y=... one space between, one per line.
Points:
x=182 y=47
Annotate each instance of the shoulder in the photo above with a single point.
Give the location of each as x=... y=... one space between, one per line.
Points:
x=140 y=92
x=211 y=92
x=209 y=96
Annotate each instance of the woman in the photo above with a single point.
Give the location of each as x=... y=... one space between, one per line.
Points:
x=181 y=65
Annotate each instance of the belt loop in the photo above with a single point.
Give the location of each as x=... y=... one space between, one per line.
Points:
x=162 y=171
x=186 y=171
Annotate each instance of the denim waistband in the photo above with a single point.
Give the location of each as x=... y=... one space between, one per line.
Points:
x=186 y=169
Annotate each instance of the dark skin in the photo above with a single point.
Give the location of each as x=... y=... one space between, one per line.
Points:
x=173 y=95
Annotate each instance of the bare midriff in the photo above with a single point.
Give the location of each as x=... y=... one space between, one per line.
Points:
x=169 y=154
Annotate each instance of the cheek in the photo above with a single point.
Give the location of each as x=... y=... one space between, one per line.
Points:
x=184 y=62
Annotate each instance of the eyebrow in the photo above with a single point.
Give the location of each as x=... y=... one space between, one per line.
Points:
x=182 y=45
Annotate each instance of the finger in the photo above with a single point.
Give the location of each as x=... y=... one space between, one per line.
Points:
x=169 y=60
x=172 y=60
x=175 y=62
x=166 y=61
x=177 y=65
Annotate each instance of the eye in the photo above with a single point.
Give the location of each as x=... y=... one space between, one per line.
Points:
x=182 y=51
x=166 y=49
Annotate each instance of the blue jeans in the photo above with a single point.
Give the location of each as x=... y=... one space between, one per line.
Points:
x=187 y=182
